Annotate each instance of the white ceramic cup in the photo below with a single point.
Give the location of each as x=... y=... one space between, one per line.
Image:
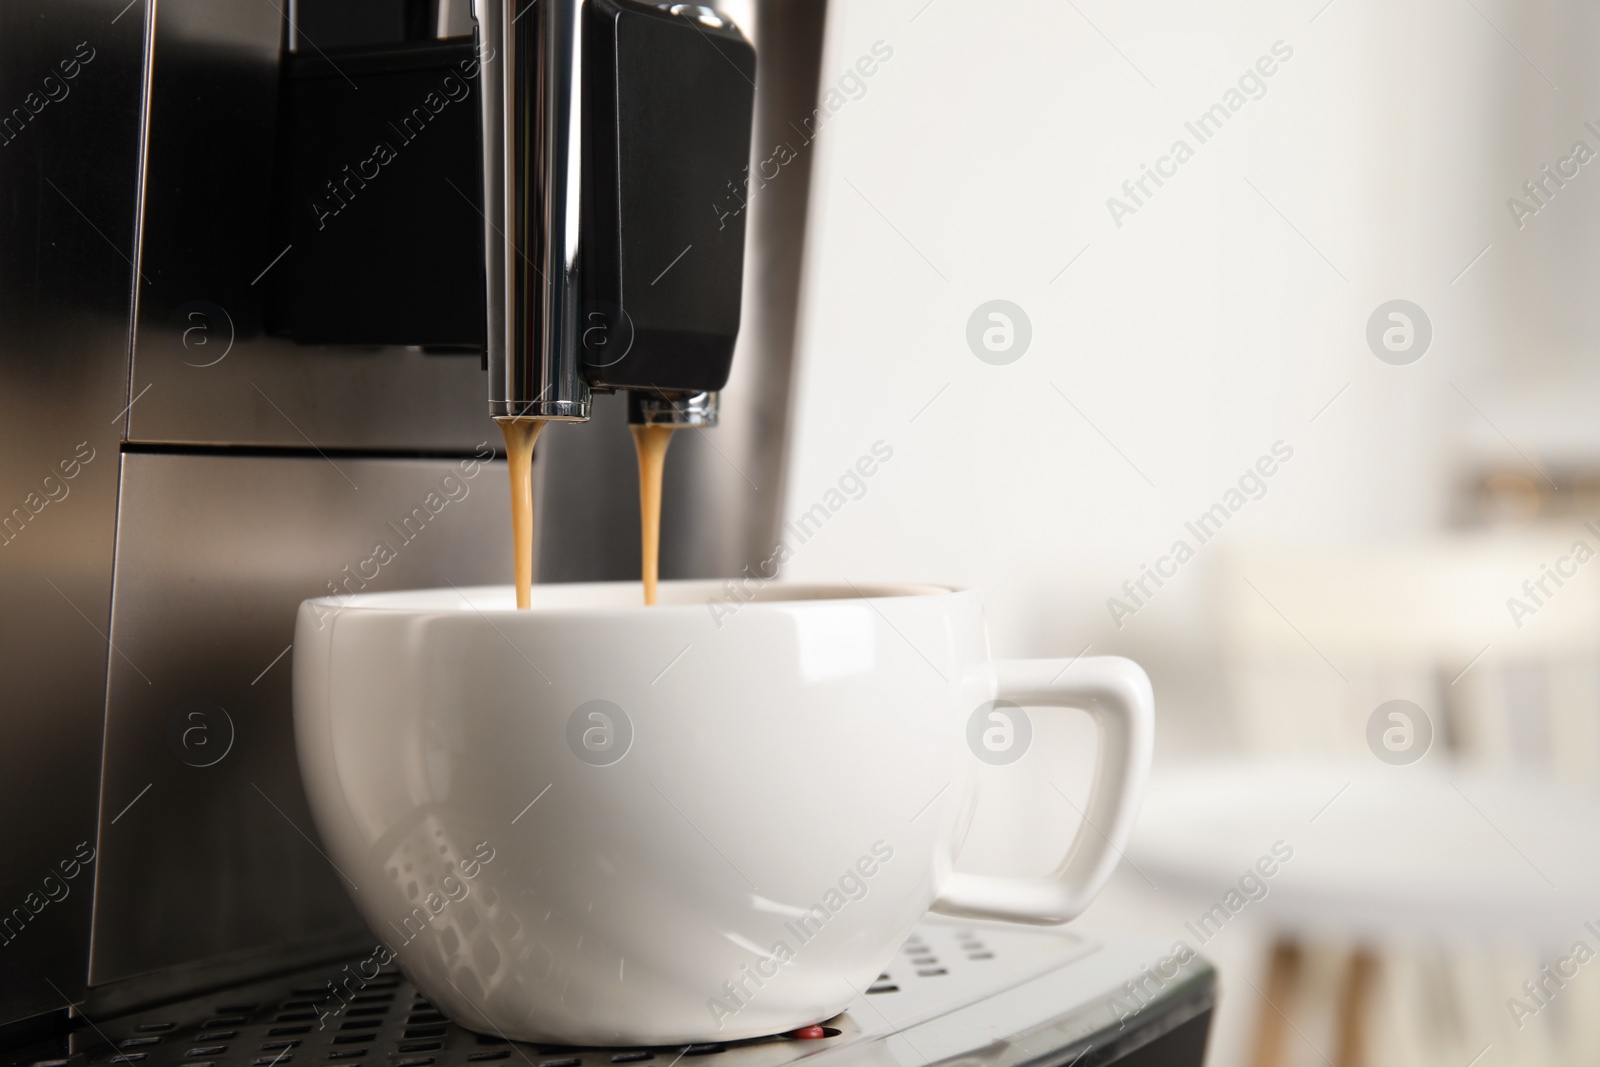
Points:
x=594 y=822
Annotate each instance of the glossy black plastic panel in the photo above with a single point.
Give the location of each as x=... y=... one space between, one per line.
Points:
x=380 y=186
x=667 y=137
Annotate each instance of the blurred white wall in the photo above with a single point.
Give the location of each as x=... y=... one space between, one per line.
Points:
x=1222 y=317
x=1169 y=354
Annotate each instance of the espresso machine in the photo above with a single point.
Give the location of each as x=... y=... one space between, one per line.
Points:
x=262 y=264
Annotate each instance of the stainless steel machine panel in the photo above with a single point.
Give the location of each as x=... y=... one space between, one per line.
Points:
x=206 y=845
x=71 y=77
x=204 y=372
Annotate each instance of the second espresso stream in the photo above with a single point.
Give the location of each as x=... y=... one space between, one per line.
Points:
x=651 y=443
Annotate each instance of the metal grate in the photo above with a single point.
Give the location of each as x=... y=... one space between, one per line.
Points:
x=297 y=1021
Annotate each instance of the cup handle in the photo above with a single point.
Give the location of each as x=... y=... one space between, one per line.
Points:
x=1117 y=693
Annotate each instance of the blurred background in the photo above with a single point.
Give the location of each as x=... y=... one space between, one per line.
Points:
x=1161 y=343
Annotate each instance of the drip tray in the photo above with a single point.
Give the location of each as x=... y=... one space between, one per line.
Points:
x=984 y=994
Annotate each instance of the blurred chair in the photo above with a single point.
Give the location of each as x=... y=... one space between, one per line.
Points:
x=1314 y=641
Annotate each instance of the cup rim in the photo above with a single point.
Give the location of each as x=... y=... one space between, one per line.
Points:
x=677 y=596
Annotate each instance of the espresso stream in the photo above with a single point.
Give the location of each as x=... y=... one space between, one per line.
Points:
x=520 y=434
x=651 y=442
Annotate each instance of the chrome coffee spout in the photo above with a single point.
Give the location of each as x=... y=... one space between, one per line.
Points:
x=697 y=410
x=612 y=132
x=532 y=92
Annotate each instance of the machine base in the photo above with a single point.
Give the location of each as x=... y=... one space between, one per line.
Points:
x=961 y=994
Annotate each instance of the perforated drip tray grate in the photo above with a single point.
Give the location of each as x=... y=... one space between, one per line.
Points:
x=943 y=970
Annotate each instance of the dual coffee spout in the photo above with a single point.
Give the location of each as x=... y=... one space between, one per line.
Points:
x=612 y=132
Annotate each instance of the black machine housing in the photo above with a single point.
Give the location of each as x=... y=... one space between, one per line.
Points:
x=668 y=101
x=378 y=191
